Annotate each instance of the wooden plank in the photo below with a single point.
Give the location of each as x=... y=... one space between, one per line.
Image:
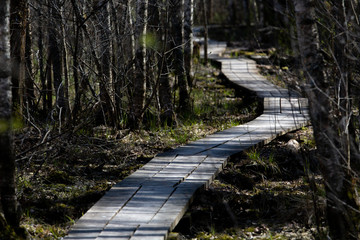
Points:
x=151 y=232
x=150 y=202
x=117 y=231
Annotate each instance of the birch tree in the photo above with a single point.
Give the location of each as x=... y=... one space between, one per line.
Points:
x=7 y=160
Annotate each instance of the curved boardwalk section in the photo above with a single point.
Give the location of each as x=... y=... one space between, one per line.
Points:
x=149 y=203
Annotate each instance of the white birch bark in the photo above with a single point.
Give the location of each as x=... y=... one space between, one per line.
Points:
x=7 y=161
x=5 y=64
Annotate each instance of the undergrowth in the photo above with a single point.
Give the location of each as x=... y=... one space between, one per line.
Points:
x=263 y=193
x=61 y=176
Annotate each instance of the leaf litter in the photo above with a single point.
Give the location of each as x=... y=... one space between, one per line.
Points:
x=60 y=180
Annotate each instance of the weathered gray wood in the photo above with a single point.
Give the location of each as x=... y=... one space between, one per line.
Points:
x=117 y=231
x=150 y=202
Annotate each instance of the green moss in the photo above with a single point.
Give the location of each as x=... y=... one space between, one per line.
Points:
x=214 y=236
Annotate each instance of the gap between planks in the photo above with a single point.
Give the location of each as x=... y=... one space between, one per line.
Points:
x=149 y=203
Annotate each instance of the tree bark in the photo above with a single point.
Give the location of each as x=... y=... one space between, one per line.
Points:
x=247 y=11
x=165 y=91
x=76 y=55
x=55 y=55
x=139 y=81
x=269 y=13
x=176 y=19
x=116 y=12
x=205 y=21
x=120 y=53
x=232 y=7
x=7 y=160
x=18 y=17
x=49 y=83
x=210 y=11
x=65 y=68
x=40 y=44
x=260 y=12
x=188 y=23
x=107 y=110
x=339 y=213
x=29 y=98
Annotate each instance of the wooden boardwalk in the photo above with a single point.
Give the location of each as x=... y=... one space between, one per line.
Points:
x=149 y=203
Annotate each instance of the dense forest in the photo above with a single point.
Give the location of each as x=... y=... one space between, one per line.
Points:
x=69 y=66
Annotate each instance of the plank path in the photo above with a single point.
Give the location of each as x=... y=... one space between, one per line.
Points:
x=149 y=203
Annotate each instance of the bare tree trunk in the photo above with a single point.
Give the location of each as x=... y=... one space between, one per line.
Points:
x=205 y=32
x=117 y=55
x=151 y=56
x=260 y=11
x=107 y=111
x=342 y=69
x=65 y=68
x=18 y=17
x=341 y=72
x=247 y=10
x=232 y=7
x=139 y=82
x=188 y=23
x=55 y=54
x=7 y=160
x=167 y=108
x=120 y=10
x=49 y=84
x=176 y=18
x=29 y=97
x=76 y=54
x=165 y=92
x=269 y=13
x=339 y=204
x=292 y=29
x=40 y=44
x=210 y=11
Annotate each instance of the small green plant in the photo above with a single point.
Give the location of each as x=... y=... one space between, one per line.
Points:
x=54 y=232
x=179 y=136
x=23 y=182
x=72 y=221
x=310 y=142
x=269 y=164
x=211 y=236
x=253 y=155
x=271 y=158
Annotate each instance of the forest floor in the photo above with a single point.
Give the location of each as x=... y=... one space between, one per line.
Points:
x=263 y=193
